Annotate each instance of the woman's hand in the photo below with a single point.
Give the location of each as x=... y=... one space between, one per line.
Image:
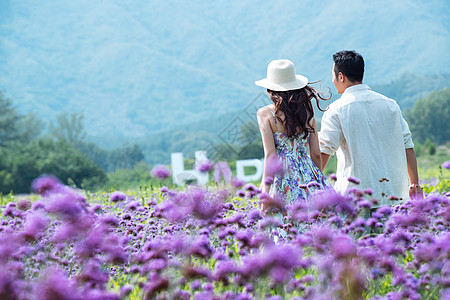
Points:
x=314 y=149
x=263 y=209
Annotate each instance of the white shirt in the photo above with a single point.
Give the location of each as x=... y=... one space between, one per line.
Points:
x=369 y=135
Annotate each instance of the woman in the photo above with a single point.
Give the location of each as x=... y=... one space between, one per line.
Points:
x=288 y=130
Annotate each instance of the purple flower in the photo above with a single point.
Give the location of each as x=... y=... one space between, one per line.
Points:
x=126 y=290
x=343 y=247
x=196 y=284
x=364 y=204
x=93 y=273
x=133 y=205
x=237 y=183
x=268 y=180
x=205 y=166
x=245 y=236
x=222 y=169
x=270 y=222
x=274 y=166
x=250 y=187
x=412 y=219
x=54 y=284
x=65 y=205
x=240 y=193
x=223 y=270
x=117 y=196
x=327 y=199
x=46 y=184
x=181 y=295
x=393 y=198
x=275 y=203
x=37 y=205
x=368 y=192
x=336 y=220
x=96 y=208
x=109 y=220
x=157 y=264
x=278 y=276
x=369 y=255
x=254 y=215
x=160 y=172
x=24 y=204
x=333 y=177
x=313 y=184
x=446 y=164
x=402 y=235
x=204 y=295
x=385 y=210
x=353 y=180
x=201 y=247
x=8 y=286
x=155 y=284
x=35 y=225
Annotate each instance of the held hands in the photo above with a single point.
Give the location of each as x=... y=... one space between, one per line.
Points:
x=415 y=191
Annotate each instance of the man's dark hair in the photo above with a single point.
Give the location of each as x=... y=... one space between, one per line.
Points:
x=349 y=63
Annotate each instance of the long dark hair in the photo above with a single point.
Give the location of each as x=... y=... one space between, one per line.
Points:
x=297 y=108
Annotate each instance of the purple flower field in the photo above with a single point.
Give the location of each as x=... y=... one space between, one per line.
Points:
x=214 y=243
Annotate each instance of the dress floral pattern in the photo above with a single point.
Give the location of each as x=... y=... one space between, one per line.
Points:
x=298 y=181
x=301 y=177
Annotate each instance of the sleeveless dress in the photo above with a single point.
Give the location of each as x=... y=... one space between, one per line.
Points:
x=301 y=177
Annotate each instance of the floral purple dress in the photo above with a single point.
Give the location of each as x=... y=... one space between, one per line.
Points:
x=301 y=177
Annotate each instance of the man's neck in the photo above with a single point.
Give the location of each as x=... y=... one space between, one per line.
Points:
x=352 y=83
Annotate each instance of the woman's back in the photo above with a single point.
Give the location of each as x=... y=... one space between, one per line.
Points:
x=299 y=170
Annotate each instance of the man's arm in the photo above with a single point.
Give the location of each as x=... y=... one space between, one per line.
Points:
x=330 y=137
x=414 y=188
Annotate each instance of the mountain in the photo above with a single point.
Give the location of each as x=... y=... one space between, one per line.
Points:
x=138 y=68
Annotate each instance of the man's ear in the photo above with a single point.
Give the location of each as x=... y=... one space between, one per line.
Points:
x=342 y=77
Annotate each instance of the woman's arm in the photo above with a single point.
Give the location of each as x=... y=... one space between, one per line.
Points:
x=314 y=149
x=264 y=116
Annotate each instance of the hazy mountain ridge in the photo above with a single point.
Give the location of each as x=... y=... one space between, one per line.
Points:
x=134 y=68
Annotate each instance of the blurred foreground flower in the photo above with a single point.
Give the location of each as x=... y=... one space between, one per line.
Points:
x=353 y=180
x=117 y=196
x=160 y=172
x=446 y=164
x=222 y=169
x=45 y=184
x=274 y=166
x=205 y=166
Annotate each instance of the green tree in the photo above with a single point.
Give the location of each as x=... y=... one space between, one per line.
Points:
x=126 y=157
x=9 y=119
x=69 y=127
x=98 y=155
x=430 y=117
x=250 y=133
x=250 y=139
x=122 y=179
x=25 y=162
x=29 y=127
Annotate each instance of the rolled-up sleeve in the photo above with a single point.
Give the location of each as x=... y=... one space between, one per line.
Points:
x=330 y=134
x=407 y=138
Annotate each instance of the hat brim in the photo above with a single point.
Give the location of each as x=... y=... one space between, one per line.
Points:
x=299 y=83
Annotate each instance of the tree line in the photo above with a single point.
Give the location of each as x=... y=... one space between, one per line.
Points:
x=29 y=148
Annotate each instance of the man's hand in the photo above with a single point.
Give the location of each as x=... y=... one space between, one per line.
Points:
x=415 y=191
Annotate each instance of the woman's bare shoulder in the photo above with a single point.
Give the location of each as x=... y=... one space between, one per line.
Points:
x=265 y=110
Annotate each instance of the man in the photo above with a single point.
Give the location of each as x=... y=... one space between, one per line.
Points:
x=369 y=135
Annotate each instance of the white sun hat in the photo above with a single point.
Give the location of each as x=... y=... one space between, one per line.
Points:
x=281 y=77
